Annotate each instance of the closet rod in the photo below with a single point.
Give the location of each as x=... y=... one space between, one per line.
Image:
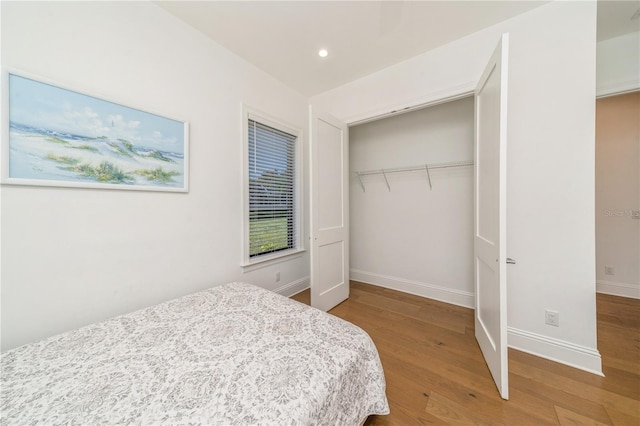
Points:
x=425 y=167
x=416 y=168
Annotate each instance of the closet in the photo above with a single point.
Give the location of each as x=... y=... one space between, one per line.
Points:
x=411 y=202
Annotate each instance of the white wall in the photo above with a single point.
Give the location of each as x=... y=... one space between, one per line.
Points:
x=550 y=155
x=618 y=64
x=618 y=194
x=412 y=238
x=75 y=256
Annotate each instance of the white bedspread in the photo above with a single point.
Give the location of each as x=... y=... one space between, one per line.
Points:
x=232 y=355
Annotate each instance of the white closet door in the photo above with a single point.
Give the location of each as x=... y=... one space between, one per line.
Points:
x=329 y=211
x=490 y=230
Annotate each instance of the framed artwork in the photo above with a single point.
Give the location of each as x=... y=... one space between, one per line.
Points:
x=54 y=136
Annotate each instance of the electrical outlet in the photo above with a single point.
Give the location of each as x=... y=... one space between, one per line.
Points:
x=608 y=270
x=278 y=276
x=552 y=318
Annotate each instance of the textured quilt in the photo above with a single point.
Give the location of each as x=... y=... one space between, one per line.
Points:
x=231 y=355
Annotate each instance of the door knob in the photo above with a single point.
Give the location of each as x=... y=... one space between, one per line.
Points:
x=510 y=261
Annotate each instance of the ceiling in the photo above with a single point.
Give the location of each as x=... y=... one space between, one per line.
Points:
x=362 y=37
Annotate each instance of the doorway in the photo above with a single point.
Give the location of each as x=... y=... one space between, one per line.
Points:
x=618 y=195
x=416 y=234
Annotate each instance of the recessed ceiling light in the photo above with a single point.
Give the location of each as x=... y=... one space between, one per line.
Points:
x=323 y=53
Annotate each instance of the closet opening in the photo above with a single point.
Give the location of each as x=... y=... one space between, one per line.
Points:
x=411 y=201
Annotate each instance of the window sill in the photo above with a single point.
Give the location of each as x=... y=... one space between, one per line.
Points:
x=268 y=260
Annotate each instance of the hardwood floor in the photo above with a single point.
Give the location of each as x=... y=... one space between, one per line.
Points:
x=436 y=374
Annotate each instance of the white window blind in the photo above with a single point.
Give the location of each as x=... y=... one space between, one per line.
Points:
x=272 y=179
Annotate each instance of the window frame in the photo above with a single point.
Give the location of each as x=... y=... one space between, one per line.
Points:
x=248 y=261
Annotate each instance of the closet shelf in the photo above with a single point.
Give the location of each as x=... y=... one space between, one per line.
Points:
x=425 y=167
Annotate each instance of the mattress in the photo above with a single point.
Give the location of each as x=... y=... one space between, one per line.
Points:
x=235 y=354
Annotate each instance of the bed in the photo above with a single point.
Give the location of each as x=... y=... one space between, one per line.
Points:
x=235 y=354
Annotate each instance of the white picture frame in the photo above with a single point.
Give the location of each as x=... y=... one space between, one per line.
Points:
x=55 y=136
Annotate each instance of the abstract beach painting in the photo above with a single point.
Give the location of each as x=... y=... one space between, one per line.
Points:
x=64 y=138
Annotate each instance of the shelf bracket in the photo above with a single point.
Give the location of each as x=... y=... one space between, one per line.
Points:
x=426 y=168
x=386 y=180
x=360 y=179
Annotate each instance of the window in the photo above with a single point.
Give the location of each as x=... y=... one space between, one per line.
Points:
x=272 y=176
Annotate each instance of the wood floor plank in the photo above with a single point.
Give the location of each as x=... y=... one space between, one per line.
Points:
x=571 y=418
x=303 y=297
x=403 y=326
x=618 y=381
x=436 y=374
x=623 y=382
x=414 y=332
x=619 y=321
x=407 y=310
x=403 y=417
x=391 y=305
x=419 y=300
x=587 y=392
x=407 y=393
x=453 y=413
x=617 y=343
x=619 y=302
x=622 y=419
x=558 y=398
x=437 y=313
x=485 y=402
x=630 y=367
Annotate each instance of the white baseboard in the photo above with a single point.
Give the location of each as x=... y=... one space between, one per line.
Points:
x=561 y=351
x=443 y=294
x=619 y=88
x=294 y=287
x=618 y=289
